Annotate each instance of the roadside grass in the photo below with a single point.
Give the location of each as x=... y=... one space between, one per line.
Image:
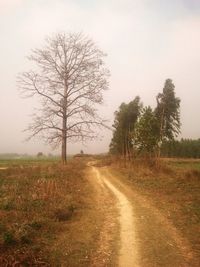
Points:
x=174 y=189
x=46 y=214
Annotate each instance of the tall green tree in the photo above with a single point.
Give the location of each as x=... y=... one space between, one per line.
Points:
x=146 y=134
x=168 y=112
x=124 y=123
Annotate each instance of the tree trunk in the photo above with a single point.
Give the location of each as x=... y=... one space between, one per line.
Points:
x=161 y=132
x=64 y=126
x=64 y=141
x=64 y=150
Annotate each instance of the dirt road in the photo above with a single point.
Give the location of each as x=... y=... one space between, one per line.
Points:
x=134 y=232
x=128 y=246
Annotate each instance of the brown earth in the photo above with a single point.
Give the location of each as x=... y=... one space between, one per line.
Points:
x=143 y=235
x=113 y=223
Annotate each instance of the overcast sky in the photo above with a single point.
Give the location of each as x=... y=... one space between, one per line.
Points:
x=147 y=41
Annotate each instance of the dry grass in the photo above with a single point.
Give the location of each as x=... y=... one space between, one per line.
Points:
x=174 y=191
x=44 y=210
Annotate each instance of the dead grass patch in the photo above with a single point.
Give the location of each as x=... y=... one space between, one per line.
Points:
x=42 y=209
x=174 y=192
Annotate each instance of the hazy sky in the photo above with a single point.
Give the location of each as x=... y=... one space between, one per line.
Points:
x=147 y=41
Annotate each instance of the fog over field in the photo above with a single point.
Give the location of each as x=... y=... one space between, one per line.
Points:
x=146 y=41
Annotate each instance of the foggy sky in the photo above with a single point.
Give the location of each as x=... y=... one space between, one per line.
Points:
x=147 y=41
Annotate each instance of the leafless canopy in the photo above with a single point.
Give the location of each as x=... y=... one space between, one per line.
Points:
x=69 y=78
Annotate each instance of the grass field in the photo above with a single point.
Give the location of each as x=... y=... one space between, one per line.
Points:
x=184 y=164
x=173 y=187
x=46 y=219
x=27 y=161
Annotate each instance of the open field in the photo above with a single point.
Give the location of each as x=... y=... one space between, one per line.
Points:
x=184 y=164
x=5 y=162
x=55 y=215
x=46 y=214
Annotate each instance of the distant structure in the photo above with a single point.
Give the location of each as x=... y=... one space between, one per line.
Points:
x=82 y=155
x=40 y=154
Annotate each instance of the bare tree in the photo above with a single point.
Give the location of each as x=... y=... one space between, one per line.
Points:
x=69 y=79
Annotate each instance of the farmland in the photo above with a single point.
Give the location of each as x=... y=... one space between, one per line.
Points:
x=65 y=215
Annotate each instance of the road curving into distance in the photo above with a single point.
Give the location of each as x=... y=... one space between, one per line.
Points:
x=128 y=252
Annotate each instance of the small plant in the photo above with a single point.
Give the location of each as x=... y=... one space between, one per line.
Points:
x=64 y=214
x=35 y=225
x=25 y=239
x=9 y=238
x=8 y=206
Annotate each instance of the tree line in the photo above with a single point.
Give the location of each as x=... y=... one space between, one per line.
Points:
x=184 y=148
x=143 y=130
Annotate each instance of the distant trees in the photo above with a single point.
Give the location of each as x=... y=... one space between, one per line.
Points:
x=69 y=78
x=124 y=123
x=146 y=129
x=185 y=148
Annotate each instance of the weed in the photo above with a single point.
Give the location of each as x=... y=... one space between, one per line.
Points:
x=64 y=214
x=25 y=240
x=9 y=238
x=7 y=206
x=36 y=225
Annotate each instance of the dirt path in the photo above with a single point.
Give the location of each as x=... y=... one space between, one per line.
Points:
x=145 y=237
x=106 y=246
x=128 y=250
x=127 y=255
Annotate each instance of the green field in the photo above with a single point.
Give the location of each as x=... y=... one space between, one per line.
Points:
x=28 y=161
x=186 y=164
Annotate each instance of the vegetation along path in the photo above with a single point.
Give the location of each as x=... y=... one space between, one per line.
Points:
x=141 y=235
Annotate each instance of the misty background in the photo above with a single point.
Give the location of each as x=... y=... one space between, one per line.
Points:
x=147 y=41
